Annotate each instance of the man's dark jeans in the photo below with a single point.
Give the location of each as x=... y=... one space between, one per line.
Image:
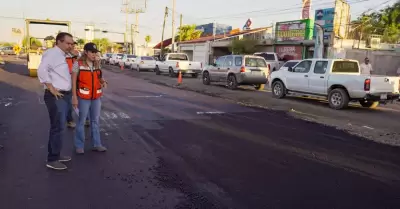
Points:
x=58 y=110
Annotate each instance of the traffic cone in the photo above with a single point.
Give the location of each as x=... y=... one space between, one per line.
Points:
x=122 y=67
x=179 y=78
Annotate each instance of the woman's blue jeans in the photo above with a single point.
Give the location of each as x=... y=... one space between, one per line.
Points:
x=92 y=107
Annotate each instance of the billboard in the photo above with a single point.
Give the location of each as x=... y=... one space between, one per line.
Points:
x=324 y=18
x=341 y=19
x=305 y=12
x=289 y=52
x=292 y=31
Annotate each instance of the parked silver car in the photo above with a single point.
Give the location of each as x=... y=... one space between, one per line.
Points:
x=235 y=70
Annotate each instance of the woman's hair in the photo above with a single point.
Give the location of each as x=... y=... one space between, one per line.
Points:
x=84 y=58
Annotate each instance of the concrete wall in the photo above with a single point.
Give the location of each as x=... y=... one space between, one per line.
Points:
x=383 y=62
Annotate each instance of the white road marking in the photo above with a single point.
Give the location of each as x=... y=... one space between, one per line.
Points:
x=210 y=113
x=8 y=104
x=368 y=127
x=148 y=96
x=123 y=115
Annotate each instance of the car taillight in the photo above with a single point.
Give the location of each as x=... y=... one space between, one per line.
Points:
x=367 y=84
x=177 y=64
x=242 y=69
x=269 y=67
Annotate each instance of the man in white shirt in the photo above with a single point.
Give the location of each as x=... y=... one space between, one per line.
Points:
x=366 y=67
x=53 y=72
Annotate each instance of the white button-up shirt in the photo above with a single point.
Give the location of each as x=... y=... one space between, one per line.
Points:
x=366 y=68
x=54 y=69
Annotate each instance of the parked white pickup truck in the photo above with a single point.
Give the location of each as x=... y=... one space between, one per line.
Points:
x=338 y=80
x=272 y=60
x=172 y=63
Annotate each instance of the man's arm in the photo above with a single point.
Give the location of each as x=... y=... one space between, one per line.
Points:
x=44 y=71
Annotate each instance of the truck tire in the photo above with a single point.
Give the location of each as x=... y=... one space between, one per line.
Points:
x=158 y=71
x=206 y=78
x=369 y=104
x=195 y=75
x=278 y=90
x=338 y=99
x=171 y=73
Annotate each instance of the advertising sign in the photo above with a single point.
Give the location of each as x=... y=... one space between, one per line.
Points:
x=247 y=25
x=305 y=12
x=16 y=32
x=324 y=18
x=290 y=52
x=297 y=30
x=341 y=20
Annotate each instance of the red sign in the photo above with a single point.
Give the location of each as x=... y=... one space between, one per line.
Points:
x=305 y=13
x=290 y=52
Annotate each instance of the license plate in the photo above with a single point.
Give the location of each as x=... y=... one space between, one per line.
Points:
x=383 y=96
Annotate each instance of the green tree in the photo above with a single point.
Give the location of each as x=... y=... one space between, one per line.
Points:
x=7 y=44
x=103 y=44
x=116 y=47
x=35 y=43
x=147 y=39
x=187 y=33
x=243 y=46
x=80 y=41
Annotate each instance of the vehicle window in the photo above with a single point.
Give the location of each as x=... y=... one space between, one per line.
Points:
x=290 y=64
x=108 y=55
x=147 y=58
x=238 y=61
x=220 y=61
x=345 y=67
x=181 y=57
x=131 y=56
x=303 y=67
x=255 y=62
x=320 y=67
x=228 y=61
x=269 y=57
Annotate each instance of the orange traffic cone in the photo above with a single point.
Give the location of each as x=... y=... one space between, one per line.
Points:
x=122 y=67
x=179 y=78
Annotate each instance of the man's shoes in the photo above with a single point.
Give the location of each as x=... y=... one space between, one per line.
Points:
x=80 y=151
x=87 y=123
x=56 y=165
x=64 y=159
x=71 y=124
x=99 y=149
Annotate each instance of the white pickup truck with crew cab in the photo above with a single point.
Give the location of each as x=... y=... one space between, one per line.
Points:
x=338 y=80
x=172 y=63
x=272 y=60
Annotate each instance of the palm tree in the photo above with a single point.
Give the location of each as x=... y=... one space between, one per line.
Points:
x=147 y=39
x=187 y=33
x=102 y=44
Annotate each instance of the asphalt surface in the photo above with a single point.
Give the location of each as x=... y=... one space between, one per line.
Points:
x=171 y=148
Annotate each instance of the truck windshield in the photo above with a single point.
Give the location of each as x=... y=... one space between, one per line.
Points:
x=345 y=67
x=181 y=57
x=270 y=57
x=255 y=62
x=131 y=56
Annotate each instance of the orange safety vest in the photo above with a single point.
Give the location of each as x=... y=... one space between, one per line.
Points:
x=88 y=82
x=70 y=62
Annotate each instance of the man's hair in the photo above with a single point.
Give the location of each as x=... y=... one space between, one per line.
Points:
x=61 y=36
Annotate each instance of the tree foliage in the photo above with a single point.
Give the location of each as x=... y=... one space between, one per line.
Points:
x=243 y=46
x=385 y=22
x=102 y=43
x=187 y=33
x=147 y=39
x=35 y=43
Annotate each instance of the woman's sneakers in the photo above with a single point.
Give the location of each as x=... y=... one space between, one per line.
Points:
x=99 y=149
x=58 y=164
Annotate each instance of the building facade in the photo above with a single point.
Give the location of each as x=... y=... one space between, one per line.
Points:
x=208 y=29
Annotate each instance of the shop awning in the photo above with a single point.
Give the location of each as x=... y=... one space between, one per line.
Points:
x=165 y=43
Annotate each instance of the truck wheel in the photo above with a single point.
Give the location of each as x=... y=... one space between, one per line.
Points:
x=369 y=104
x=338 y=99
x=171 y=73
x=195 y=75
x=278 y=89
x=138 y=68
x=158 y=71
x=259 y=87
x=232 y=82
x=206 y=78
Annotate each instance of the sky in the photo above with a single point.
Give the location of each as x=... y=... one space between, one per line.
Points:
x=107 y=15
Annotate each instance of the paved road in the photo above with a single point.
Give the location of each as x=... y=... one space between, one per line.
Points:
x=166 y=150
x=379 y=124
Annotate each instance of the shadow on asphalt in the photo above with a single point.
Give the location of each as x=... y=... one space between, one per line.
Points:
x=19 y=69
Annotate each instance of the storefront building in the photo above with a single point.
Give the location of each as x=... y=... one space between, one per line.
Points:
x=290 y=38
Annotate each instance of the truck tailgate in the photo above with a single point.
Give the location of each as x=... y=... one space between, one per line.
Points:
x=388 y=84
x=188 y=65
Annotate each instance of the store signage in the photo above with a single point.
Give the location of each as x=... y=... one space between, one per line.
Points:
x=324 y=18
x=292 y=30
x=290 y=52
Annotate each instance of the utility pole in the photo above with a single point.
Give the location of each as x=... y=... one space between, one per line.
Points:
x=173 y=25
x=163 y=29
x=127 y=9
x=180 y=28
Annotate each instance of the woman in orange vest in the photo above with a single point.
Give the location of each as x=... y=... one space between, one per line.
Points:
x=87 y=89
